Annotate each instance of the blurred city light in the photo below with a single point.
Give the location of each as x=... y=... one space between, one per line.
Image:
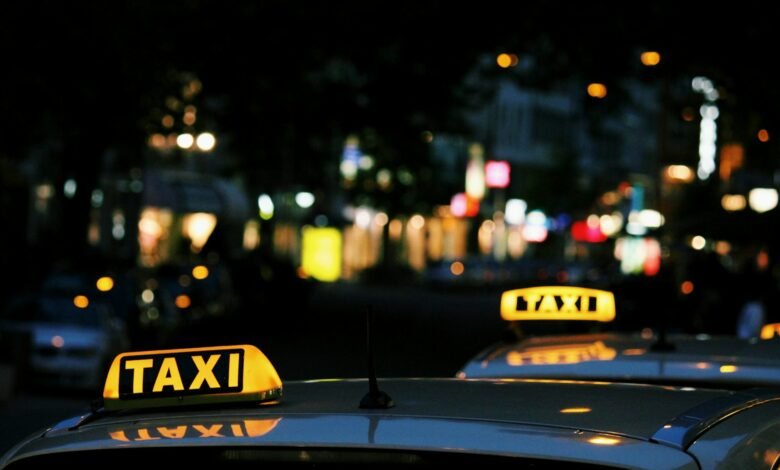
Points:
x=515 y=211
x=81 y=301
x=611 y=224
x=762 y=199
x=321 y=253
x=363 y=217
x=650 y=58
x=167 y=121
x=384 y=177
x=189 y=115
x=198 y=228
x=708 y=132
x=348 y=169
x=733 y=202
x=535 y=228
x=147 y=295
x=206 y=141
x=69 y=188
x=732 y=157
x=651 y=218
x=506 y=60
x=728 y=369
x=597 y=90
x=475 y=179
x=183 y=301
x=304 y=199
x=457 y=268
x=395 y=229
x=678 y=174
x=698 y=242
x=251 y=235
x=200 y=272
x=366 y=162
x=686 y=287
x=634 y=225
x=118 y=221
x=497 y=174
x=185 y=140
x=417 y=222
x=105 y=284
x=381 y=219
x=462 y=205
x=266 y=206
x=57 y=341
x=763 y=135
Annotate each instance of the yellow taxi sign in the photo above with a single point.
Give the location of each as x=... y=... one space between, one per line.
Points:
x=558 y=303
x=175 y=377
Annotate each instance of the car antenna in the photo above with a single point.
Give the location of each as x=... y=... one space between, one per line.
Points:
x=375 y=399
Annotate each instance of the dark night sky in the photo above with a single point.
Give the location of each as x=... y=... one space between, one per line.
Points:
x=88 y=73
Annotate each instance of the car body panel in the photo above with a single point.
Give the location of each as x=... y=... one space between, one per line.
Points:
x=512 y=418
x=715 y=360
x=747 y=440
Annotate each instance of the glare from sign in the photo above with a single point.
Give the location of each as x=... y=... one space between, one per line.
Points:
x=555 y=355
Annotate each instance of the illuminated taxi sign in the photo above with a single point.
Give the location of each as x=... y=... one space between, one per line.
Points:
x=558 y=303
x=189 y=377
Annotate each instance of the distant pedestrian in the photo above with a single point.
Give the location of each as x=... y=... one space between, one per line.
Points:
x=751 y=319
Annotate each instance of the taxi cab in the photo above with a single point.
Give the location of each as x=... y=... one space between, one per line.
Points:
x=643 y=357
x=221 y=407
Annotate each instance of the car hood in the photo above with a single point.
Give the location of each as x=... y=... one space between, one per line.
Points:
x=718 y=361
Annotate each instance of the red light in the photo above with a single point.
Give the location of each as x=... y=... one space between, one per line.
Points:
x=652 y=257
x=463 y=206
x=582 y=232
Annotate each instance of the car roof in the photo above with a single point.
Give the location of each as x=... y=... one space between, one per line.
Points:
x=718 y=361
x=606 y=423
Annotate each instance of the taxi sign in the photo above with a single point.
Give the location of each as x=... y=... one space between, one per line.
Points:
x=558 y=303
x=192 y=376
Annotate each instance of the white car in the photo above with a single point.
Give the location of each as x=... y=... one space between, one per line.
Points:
x=226 y=407
x=69 y=341
x=642 y=357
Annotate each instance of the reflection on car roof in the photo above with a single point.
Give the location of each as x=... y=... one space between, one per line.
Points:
x=696 y=359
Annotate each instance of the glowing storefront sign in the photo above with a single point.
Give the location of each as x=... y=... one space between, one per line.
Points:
x=321 y=253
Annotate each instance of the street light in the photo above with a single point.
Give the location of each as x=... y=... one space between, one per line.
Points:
x=650 y=58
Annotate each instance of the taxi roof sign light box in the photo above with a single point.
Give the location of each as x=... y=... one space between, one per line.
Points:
x=558 y=303
x=194 y=376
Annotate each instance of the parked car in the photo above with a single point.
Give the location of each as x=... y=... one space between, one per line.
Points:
x=69 y=340
x=227 y=407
